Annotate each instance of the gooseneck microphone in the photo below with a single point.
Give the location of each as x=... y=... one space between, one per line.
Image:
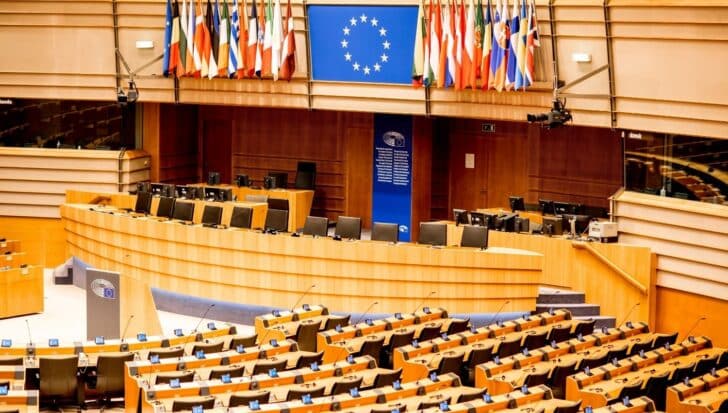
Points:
x=624 y=320
x=124 y=346
x=505 y=303
x=30 y=338
x=423 y=301
x=301 y=297
x=203 y=317
x=695 y=325
x=361 y=317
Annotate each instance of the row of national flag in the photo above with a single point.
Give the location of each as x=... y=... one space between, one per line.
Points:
x=475 y=46
x=224 y=41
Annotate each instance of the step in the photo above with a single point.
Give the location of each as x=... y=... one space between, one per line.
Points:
x=576 y=309
x=550 y=296
x=601 y=321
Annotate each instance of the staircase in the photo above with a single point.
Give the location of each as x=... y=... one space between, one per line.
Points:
x=573 y=301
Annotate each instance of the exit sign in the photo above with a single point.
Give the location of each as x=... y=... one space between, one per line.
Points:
x=487 y=127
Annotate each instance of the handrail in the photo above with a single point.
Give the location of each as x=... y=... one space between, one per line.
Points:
x=628 y=277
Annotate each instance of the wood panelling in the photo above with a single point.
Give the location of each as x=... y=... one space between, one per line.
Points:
x=42 y=239
x=422 y=171
x=178 y=144
x=679 y=310
x=359 y=170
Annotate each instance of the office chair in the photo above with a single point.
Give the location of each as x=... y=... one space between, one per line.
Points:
x=704 y=365
x=246 y=341
x=166 y=353
x=395 y=341
x=186 y=376
x=508 y=348
x=662 y=339
x=478 y=355
x=165 y=209
x=435 y=403
x=306 y=335
x=451 y=362
x=631 y=391
x=211 y=215
x=263 y=366
x=110 y=376
x=242 y=217
x=594 y=361
x=457 y=326
x=59 y=382
x=143 y=203
x=680 y=373
x=216 y=373
x=584 y=328
x=256 y=198
x=206 y=402
x=343 y=386
x=559 y=334
x=474 y=236
x=534 y=341
x=11 y=361
x=277 y=220
x=383 y=231
x=207 y=348
x=244 y=398
x=348 y=227
x=655 y=389
x=306 y=175
x=470 y=394
x=640 y=346
x=429 y=332
x=557 y=382
x=307 y=359
x=316 y=226
x=618 y=353
x=307 y=388
x=573 y=408
x=386 y=379
x=334 y=321
x=389 y=408
x=536 y=379
x=372 y=347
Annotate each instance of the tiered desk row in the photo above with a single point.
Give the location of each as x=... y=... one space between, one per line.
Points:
x=21 y=285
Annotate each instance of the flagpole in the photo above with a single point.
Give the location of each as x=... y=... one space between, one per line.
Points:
x=309 y=81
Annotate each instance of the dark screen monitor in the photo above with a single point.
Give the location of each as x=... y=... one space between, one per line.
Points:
x=187 y=192
x=561 y=208
x=516 y=203
x=143 y=203
x=165 y=207
x=226 y=194
x=433 y=233
x=478 y=219
x=474 y=236
x=582 y=222
x=218 y=194
x=159 y=189
x=213 y=178
x=212 y=215
x=506 y=223
x=546 y=206
x=276 y=180
x=460 y=216
x=552 y=226
x=242 y=180
x=184 y=211
x=242 y=217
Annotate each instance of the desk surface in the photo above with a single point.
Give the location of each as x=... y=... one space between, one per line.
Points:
x=261 y=268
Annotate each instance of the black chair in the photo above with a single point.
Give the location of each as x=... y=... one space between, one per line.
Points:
x=451 y=362
x=167 y=353
x=309 y=388
x=307 y=359
x=427 y=404
x=723 y=408
x=655 y=389
x=276 y=220
x=386 y=379
x=534 y=341
x=432 y=233
x=681 y=373
x=306 y=335
x=242 y=217
x=11 y=361
x=559 y=334
x=662 y=339
x=207 y=348
x=619 y=353
x=165 y=209
x=509 y=348
x=573 y=408
x=332 y=321
x=705 y=364
x=143 y=203
x=382 y=231
x=216 y=373
x=631 y=391
x=474 y=236
x=343 y=386
x=372 y=347
x=109 y=377
x=428 y=332
x=470 y=394
x=316 y=226
x=246 y=341
x=211 y=215
x=584 y=328
x=640 y=346
x=397 y=340
x=206 y=402
x=479 y=354
x=348 y=227
x=594 y=361
x=390 y=407
x=263 y=366
x=457 y=326
x=245 y=397
x=59 y=383
x=183 y=211
x=723 y=360
x=557 y=382
x=536 y=379
x=183 y=376
x=306 y=175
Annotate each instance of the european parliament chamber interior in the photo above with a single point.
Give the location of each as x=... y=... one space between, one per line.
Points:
x=378 y=206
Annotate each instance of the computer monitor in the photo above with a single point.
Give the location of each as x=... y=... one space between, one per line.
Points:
x=165 y=207
x=211 y=215
x=433 y=233
x=241 y=217
x=474 y=236
x=546 y=206
x=143 y=203
x=159 y=189
x=516 y=203
x=506 y=223
x=478 y=219
x=275 y=180
x=582 y=222
x=552 y=226
x=213 y=194
x=187 y=192
x=213 y=178
x=184 y=211
x=561 y=208
x=242 y=180
x=460 y=216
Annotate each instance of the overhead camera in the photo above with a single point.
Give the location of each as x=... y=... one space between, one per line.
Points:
x=131 y=95
x=558 y=115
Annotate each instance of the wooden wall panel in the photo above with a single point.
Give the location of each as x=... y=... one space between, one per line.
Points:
x=178 y=145
x=359 y=170
x=679 y=310
x=422 y=171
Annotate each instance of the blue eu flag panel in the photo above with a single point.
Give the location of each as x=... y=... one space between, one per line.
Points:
x=362 y=43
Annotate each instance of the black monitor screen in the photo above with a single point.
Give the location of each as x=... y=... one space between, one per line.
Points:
x=212 y=194
x=546 y=206
x=561 y=208
x=186 y=192
x=478 y=218
x=166 y=205
x=516 y=203
x=143 y=203
x=159 y=189
x=433 y=233
x=212 y=215
x=184 y=211
x=460 y=216
x=226 y=194
x=582 y=222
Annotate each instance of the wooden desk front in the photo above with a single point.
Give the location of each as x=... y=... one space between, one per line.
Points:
x=21 y=291
x=261 y=269
x=299 y=202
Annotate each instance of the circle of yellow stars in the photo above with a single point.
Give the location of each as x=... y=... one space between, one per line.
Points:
x=356 y=66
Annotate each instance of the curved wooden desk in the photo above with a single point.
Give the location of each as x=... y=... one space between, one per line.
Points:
x=255 y=268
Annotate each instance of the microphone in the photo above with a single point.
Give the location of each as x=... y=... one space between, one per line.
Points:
x=506 y=302
x=30 y=338
x=124 y=346
x=361 y=317
x=423 y=301
x=628 y=314
x=687 y=336
x=194 y=332
x=301 y=297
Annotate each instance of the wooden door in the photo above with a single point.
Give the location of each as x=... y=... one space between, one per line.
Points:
x=468 y=183
x=217 y=149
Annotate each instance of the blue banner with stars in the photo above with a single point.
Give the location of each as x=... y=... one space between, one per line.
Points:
x=362 y=43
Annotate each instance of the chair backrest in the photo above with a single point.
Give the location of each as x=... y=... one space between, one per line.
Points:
x=143 y=203
x=594 y=361
x=372 y=347
x=313 y=391
x=705 y=365
x=384 y=231
x=559 y=334
x=263 y=366
x=424 y=405
x=233 y=371
x=110 y=373
x=306 y=335
x=184 y=211
x=655 y=389
x=306 y=359
x=58 y=377
x=534 y=341
x=306 y=175
x=348 y=227
x=428 y=332
x=207 y=347
x=387 y=378
x=256 y=198
x=206 y=402
x=183 y=377
x=573 y=408
x=246 y=341
x=450 y=363
x=334 y=321
x=244 y=398
x=536 y=379
x=343 y=386
x=318 y=226
x=559 y=375
x=618 y=353
x=469 y=395
x=242 y=217
x=641 y=346
x=662 y=339
x=276 y=219
x=165 y=208
x=212 y=215
x=631 y=390
x=584 y=328
x=480 y=355
x=401 y=339
x=474 y=236
x=508 y=348
x=390 y=407
x=457 y=326
x=433 y=233
x=167 y=353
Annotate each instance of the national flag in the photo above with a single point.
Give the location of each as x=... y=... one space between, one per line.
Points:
x=487 y=53
x=243 y=62
x=261 y=41
x=268 y=41
x=419 y=51
x=277 y=35
x=427 y=74
x=478 y=34
x=362 y=43
x=499 y=59
x=521 y=81
x=460 y=45
x=252 y=46
x=174 y=60
x=183 y=42
x=234 y=41
x=469 y=58
x=435 y=41
x=224 y=44
x=532 y=41
x=212 y=41
x=167 y=39
x=446 y=76
x=288 y=64
x=515 y=29
x=194 y=63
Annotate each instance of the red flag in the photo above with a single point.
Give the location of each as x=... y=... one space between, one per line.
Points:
x=288 y=66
